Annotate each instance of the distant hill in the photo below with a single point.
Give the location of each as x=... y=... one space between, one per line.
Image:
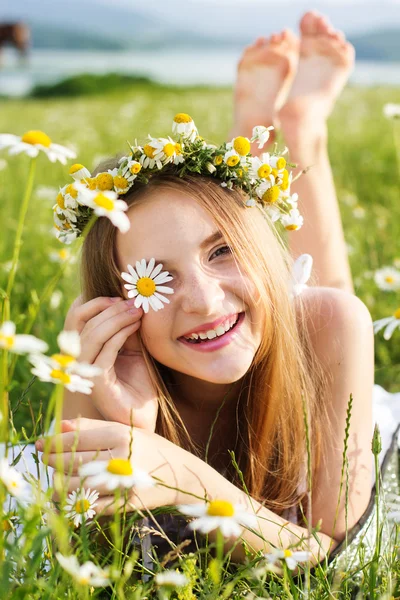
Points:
x=45 y=37
x=378 y=45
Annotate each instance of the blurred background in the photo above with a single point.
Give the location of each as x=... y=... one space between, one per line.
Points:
x=178 y=42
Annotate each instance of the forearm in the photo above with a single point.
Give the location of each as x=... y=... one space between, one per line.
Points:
x=322 y=233
x=193 y=475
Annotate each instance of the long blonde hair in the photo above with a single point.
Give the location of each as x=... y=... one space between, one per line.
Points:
x=271 y=448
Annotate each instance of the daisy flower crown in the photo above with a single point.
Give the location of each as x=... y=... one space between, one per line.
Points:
x=266 y=179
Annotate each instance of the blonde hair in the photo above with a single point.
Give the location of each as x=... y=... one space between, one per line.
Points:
x=271 y=447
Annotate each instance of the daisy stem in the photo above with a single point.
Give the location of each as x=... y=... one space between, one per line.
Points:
x=220 y=550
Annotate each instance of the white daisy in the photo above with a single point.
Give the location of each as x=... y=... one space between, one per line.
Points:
x=61 y=256
x=219 y=514
x=117 y=472
x=14 y=482
x=293 y=220
x=105 y=204
x=148 y=160
x=261 y=135
x=183 y=125
x=291 y=558
x=86 y=574
x=79 y=172
x=231 y=158
x=167 y=151
x=19 y=343
x=32 y=142
x=55 y=299
x=131 y=168
x=301 y=273
x=63 y=367
x=260 y=168
x=171 y=578
x=80 y=505
x=389 y=324
x=277 y=162
x=122 y=183
x=144 y=284
x=387 y=279
x=391 y=111
x=268 y=192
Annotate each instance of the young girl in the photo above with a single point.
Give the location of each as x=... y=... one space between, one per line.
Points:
x=192 y=400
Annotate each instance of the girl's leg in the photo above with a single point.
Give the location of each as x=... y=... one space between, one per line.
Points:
x=326 y=61
x=265 y=74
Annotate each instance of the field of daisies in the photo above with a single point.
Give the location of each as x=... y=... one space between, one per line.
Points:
x=52 y=550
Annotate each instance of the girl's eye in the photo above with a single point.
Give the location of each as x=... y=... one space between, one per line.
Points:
x=221 y=251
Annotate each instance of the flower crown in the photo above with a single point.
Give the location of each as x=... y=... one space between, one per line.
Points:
x=265 y=179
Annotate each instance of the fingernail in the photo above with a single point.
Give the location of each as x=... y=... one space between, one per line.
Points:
x=115 y=299
x=39 y=444
x=130 y=302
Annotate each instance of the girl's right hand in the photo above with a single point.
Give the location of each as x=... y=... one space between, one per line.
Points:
x=108 y=329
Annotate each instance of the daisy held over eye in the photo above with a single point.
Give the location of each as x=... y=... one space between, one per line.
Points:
x=224 y=357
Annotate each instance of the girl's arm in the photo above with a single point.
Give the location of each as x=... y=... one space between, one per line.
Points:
x=322 y=233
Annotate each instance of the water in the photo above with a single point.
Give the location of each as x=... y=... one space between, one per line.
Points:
x=214 y=66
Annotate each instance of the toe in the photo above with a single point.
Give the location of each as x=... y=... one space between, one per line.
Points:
x=308 y=23
x=322 y=25
x=275 y=38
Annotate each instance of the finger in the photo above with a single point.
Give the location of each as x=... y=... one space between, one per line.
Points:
x=78 y=424
x=80 y=313
x=99 y=438
x=76 y=459
x=110 y=350
x=93 y=339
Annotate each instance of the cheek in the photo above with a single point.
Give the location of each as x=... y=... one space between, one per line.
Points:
x=155 y=330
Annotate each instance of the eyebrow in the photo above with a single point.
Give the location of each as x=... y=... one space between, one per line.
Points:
x=212 y=239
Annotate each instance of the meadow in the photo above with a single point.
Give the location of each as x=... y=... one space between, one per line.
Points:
x=365 y=154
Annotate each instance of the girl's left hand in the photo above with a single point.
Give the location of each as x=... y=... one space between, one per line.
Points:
x=102 y=440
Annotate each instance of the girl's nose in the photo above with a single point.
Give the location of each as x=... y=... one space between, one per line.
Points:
x=202 y=294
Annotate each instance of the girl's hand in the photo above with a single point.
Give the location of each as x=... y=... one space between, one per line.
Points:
x=101 y=440
x=108 y=329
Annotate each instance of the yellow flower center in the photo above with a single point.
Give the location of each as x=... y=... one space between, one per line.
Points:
x=284 y=185
x=71 y=190
x=81 y=506
x=264 y=171
x=220 y=508
x=240 y=172
x=63 y=254
x=292 y=227
x=287 y=553
x=63 y=359
x=83 y=580
x=135 y=168
x=120 y=466
x=61 y=376
x=169 y=150
x=146 y=286
x=75 y=168
x=397 y=314
x=178 y=148
x=232 y=161
x=274 y=172
x=104 y=181
x=104 y=202
x=90 y=182
x=182 y=118
x=60 y=201
x=241 y=145
x=36 y=137
x=280 y=163
x=389 y=279
x=272 y=194
x=218 y=160
x=6 y=341
x=149 y=151
x=120 y=182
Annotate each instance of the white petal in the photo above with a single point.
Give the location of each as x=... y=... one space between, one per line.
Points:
x=8 y=328
x=150 y=267
x=164 y=289
x=133 y=293
x=161 y=297
x=378 y=325
x=93 y=468
x=29 y=343
x=121 y=221
x=140 y=268
x=69 y=343
x=301 y=555
x=156 y=271
x=155 y=303
x=291 y=563
x=134 y=274
x=145 y=304
x=230 y=528
x=128 y=277
x=302 y=267
x=139 y=301
x=390 y=329
x=193 y=510
x=86 y=370
x=163 y=278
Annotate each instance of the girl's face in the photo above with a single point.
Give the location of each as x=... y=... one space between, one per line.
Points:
x=209 y=295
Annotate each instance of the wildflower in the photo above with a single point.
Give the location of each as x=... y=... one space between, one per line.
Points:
x=144 y=285
x=63 y=367
x=62 y=256
x=277 y=162
x=80 y=505
x=167 y=151
x=86 y=574
x=148 y=157
x=183 y=125
x=55 y=299
x=301 y=272
x=218 y=514
x=359 y=212
x=14 y=482
x=171 y=578
x=260 y=167
x=293 y=220
x=117 y=472
x=132 y=167
x=79 y=172
x=241 y=145
x=20 y=343
x=391 y=111
x=32 y=142
x=231 y=158
x=387 y=279
x=261 y=135
x=389 y=323
x=291 y=558
x=105 y=204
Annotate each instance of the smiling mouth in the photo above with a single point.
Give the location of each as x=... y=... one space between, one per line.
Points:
x=214 y=335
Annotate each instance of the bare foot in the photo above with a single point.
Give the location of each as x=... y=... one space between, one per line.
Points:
x=265 y=73
x=326 y=61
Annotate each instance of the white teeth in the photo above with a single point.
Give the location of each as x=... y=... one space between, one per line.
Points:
x=220 y=330
x=211 y=334
x=195 y=336
x=227 y=326
x=202 y=336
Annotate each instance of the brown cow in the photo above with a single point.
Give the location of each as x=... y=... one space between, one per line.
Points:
x=16 y=34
